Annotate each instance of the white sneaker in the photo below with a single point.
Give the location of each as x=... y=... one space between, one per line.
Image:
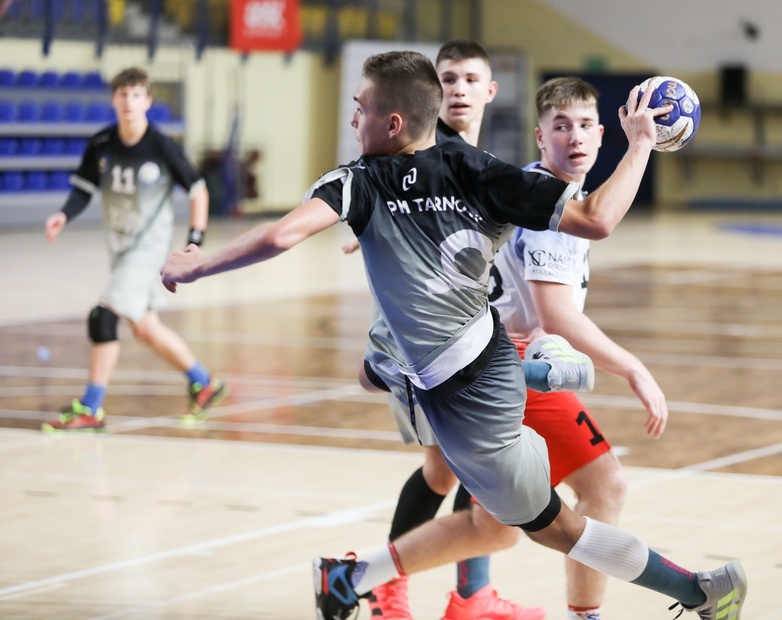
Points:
x=725 y=589
x=571 y=370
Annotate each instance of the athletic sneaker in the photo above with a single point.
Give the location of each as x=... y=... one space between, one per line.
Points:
x=77 y=417
x=390 y=600
x=725 y=589
x=335 y=598
x=571 y=370
x=487 y=605
x=202 y=397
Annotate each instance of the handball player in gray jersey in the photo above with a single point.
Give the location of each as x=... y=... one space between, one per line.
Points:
x=134 y=167
x=429 y=221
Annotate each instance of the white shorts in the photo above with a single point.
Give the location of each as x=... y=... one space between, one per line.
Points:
x=135 y=286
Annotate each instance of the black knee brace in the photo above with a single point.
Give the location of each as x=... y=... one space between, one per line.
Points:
x=545 y=518
x=102 y=325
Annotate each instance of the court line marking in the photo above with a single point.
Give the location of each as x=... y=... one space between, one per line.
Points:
x=735 y=459
x=334 y=519
x=214 y=589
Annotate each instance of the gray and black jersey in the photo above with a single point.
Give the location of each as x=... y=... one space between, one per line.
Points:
x=429 y=225
x=136 y=184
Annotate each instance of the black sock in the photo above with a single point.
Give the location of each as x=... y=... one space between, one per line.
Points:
x=463 y=499
x=417 y=504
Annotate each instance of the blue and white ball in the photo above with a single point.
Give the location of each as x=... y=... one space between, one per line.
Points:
x=676 y=128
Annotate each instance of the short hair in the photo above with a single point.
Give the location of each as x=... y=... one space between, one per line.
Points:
x=462 y=49
x=562 y=92
x=132 y=76
x=406 y=82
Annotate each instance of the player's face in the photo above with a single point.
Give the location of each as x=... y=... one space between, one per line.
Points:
x=467 y=88
x=370 y=124
x=131 y=103
x=569 y=139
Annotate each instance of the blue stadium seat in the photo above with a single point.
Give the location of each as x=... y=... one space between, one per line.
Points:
x=12 y=181
x=28 y=112
x=36 y=9
x=93 y=79
x=53 y=112
x=36 y=181
x=78 y=10
x=49 y=79
x=27 y=78
x=53 y=146
x=100 y=112
x=59 y=180
x=71 y=79
x=76 y=111
x=75 y=146
x=159 y=112
x=7 y=77
x=8 y=146
x=7 y=112
x=30 y=146
x=15 y=10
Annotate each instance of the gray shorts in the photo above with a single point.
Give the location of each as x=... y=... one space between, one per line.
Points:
x=135 y=286
x=503 y=464
x=400 y=409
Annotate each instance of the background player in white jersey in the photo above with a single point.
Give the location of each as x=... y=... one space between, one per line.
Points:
x=540 y=282
x=135 y=168
x=429 y=222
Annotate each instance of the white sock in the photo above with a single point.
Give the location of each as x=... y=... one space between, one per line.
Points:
x=611 y=551
x=380 y=568
x=584 y=614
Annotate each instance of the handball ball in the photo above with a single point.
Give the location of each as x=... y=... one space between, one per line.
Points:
x=677 y=127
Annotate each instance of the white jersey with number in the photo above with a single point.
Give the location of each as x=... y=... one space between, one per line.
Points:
x=543 y=256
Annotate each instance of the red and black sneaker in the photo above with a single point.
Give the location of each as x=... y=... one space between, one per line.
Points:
x=202 y=397
x=77 y=417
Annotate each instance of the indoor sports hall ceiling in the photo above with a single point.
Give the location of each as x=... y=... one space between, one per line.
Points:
x=686 y=35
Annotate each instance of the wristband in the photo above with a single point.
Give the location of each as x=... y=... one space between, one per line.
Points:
x=196 y=237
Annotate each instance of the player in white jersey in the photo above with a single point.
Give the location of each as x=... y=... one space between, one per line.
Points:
x=540 y=281
x=429 y=221
x=135 y=167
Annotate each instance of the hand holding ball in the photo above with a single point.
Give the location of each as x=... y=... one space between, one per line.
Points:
x=677 y=127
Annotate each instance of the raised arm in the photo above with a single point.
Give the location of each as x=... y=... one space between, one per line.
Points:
x=259 y=244
x=597 y=216
x=559 y=315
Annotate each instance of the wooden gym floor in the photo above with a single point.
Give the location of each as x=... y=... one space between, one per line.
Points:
x=155 y=519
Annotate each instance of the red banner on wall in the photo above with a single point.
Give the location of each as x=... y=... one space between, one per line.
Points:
x=265 y=25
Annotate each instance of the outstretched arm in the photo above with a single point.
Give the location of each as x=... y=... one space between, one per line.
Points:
x=559 y=315
x=597 y=215
x=259 y=244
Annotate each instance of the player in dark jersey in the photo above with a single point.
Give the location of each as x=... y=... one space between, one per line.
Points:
x=465 y=74
x=135 y=167
x=429 y=221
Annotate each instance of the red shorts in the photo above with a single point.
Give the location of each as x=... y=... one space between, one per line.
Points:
x=571 y=433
